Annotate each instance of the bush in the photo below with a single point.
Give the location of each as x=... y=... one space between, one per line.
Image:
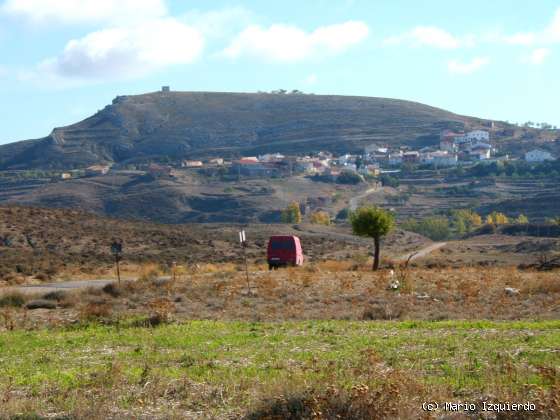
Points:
x=343 y=214
x=320 y=218
x=13 y=299
x=435 y=228
x=291 y=214
x=41 y=304
x=389 y=181
x=349 y=177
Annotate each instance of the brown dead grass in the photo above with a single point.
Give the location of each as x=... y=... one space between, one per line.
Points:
x=322 y=291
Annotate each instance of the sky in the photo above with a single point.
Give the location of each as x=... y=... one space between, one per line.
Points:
x=63 y=60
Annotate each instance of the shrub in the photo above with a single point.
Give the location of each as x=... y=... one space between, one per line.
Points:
x=149 y=272
x=435 y=228
x=320 y=218
x=14 y=299
x=349 y=177
x=291 y=214
x=389 y=181
x=41 y=304
x=343 y=214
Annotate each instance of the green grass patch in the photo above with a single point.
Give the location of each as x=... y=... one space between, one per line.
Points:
x=469 y=357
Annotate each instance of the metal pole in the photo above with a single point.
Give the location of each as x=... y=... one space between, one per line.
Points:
x=118 y=268
x=244 y=244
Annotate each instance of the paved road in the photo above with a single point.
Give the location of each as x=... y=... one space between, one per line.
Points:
x=422 y=252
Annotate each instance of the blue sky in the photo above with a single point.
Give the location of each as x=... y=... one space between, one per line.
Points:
x=62 y=60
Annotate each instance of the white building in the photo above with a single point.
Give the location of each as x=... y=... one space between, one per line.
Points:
x=477 y=135
x=271 y=157
x=440 y=158
x=538 y=155
x=481 y=151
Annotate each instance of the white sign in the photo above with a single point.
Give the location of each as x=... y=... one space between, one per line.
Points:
x=242 y=237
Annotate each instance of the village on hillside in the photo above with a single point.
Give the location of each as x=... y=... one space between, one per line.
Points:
x=454 y=149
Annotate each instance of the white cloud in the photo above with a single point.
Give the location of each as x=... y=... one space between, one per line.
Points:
x=289 y=43
x=459 y=67
x=125 y=52
x=552 y=31
x=219 y=23
x=430 y=36
x=549 y=35
x=311 y=79
x=526 y=38
x=537 y=56
x=83 y=11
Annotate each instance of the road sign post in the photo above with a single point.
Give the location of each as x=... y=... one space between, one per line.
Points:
x=116 y=250
x=243 y=242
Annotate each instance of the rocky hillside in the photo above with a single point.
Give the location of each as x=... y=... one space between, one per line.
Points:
x=200 y=124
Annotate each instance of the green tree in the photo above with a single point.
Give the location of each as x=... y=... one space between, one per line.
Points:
x=291 y=214
x=372 y=222
x=465 y=220
x=521 y=220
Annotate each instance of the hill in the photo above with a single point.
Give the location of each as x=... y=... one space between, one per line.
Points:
x=46 y=242
x=203 y=124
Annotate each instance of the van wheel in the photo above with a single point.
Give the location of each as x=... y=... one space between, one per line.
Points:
x=270 y=266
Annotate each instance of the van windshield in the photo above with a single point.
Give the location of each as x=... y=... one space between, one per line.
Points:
x=277 y=246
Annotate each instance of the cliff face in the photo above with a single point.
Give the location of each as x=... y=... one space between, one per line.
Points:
x=186 y=124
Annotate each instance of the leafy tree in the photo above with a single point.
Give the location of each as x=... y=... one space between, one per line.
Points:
x=372 y=222
x=500 y=218
x=349 y=177
x=291 y=214
x=521 y=220
x=320 y=218
x=466 y=220
x=389 y=181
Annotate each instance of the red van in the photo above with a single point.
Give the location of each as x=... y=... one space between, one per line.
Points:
x=284 y=251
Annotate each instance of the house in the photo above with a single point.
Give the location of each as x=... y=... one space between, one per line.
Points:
x=97 y=170
x=411 y=157
x=158 y=171
x=448 y=144
x=249 y=159
x=481 y=151
x=440 y=158
x=395 y=159
x=369 y=170
x=271 y=157
x=249 y=167
x=538 y=155
x=192 y=164
x=66 y=175
x=216 y=161
x=477 y=135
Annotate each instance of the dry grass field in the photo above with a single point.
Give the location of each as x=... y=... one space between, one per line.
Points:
x=330 y=340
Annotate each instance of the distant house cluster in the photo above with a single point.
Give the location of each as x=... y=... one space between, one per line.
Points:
x=538 y=156
x=454 y=149
x=473 y=145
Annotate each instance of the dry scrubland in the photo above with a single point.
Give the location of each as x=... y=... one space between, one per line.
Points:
x=326 y=341
x=206 y=346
